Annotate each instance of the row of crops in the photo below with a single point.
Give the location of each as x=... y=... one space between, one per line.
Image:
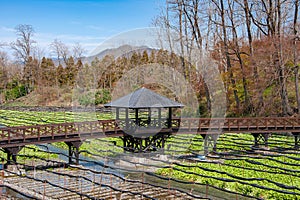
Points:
x=236 y=169
x=88 y=179
x=20 y=118
x=267 y=173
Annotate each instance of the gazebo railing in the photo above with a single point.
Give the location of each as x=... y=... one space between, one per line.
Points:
x=133 y=124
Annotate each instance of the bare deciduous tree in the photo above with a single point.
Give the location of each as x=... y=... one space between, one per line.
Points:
x=3 y=58
x=78 y=51
x=24 y=44
x=182 y=24
x=220 y=6
x=61 y=50
x=233 y=18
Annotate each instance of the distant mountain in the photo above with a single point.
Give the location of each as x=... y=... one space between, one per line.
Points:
x=124 y=50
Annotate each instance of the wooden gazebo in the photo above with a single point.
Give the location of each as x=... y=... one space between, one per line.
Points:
x=145 y=118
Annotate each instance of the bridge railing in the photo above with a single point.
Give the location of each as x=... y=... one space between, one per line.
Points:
x=66 y=130
x=53 y=130
x=240 y=124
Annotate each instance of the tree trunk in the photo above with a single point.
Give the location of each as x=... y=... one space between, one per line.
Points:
x=228 y=63
x=248 y=104
x=295 y=55
x=258 y=88
x=181 y=38
x=286 y=109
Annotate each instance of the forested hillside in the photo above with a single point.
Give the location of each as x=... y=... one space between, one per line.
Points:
x=255 y=44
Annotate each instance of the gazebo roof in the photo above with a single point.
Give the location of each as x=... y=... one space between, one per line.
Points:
x=143 y=98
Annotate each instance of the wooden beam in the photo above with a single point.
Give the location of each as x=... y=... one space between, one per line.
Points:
x=12 y=153
x=127 y=118
x=74 y=151
x=117 y=113
x=170 y=118
x=149 y=116
x=297 y=140
x=159 y=118
x=137 y=117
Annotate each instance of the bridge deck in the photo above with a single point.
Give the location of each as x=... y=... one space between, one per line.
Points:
x=22 y=135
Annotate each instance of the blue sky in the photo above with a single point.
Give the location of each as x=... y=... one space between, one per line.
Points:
x=88 y=22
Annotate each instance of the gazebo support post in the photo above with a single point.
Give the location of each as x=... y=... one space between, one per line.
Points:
x=170 y=118
x=127 y=119
x=149 y=117
x=137 y=117
x=117 y=113
x=159 y=118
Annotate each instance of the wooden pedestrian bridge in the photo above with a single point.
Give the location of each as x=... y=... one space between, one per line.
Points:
x=147 y=137
x=49 y=133
x=144 y=121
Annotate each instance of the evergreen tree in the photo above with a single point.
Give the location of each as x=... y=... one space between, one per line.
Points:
x=145 y=58
x=152 y=58
x=70 y=72
x=60 y=76
x=134 y=60
x=47 y=72
x=31 y=74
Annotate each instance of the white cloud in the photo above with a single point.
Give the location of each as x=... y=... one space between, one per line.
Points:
x=93 y=27
x=79 y=37
x=75 y=22
x=7 y=35
x=7 y=29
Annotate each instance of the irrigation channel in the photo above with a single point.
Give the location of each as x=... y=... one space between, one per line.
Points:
x=237 y=170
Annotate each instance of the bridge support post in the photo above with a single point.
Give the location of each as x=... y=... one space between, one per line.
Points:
x=210 y=141
x=260 y=138
x=11 y=153
x=255 y=135
x=266 y=138
x=297 y=140
x=74 y=151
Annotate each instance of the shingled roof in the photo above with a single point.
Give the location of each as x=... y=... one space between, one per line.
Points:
x=144 y=98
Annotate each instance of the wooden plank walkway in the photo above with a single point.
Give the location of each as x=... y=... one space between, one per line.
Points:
x=37 y=134
x=240 y=125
